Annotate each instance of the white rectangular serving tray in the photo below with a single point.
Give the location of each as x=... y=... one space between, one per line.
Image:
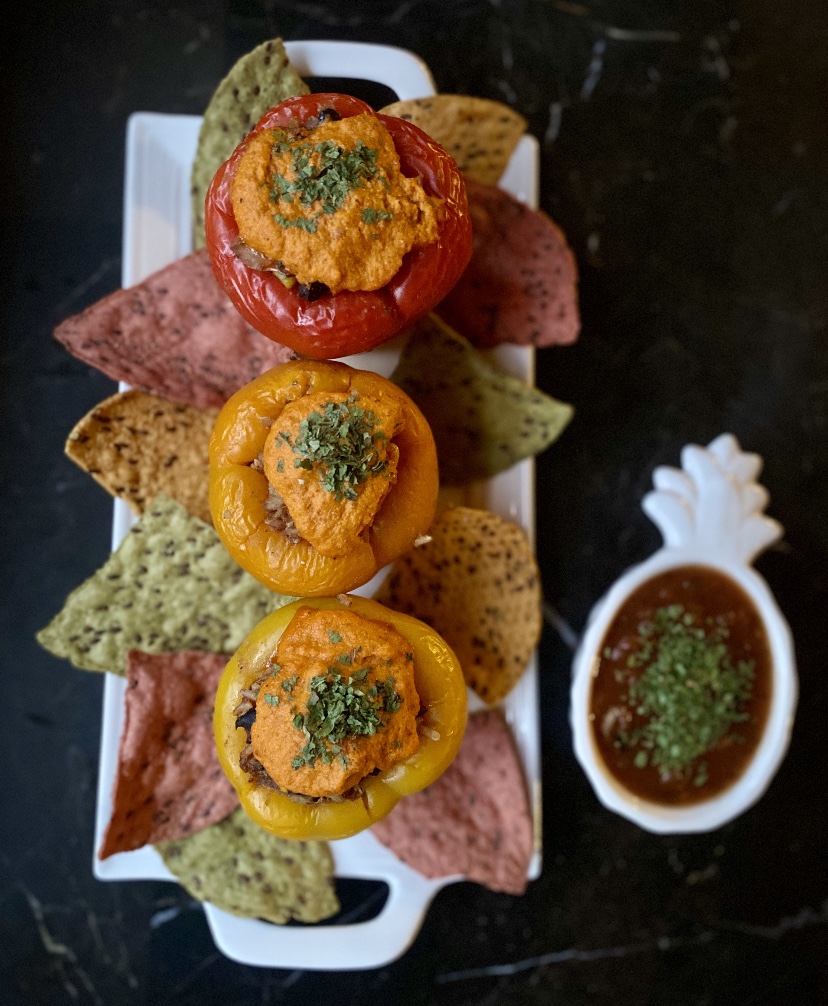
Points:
x=159 y=152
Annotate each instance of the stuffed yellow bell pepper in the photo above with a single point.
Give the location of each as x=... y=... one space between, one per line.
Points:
x=332 y=710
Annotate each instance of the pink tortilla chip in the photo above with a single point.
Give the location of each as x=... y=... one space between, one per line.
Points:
x=169 y=783
x=176 y=334
x=474 y=820
x=521 y=284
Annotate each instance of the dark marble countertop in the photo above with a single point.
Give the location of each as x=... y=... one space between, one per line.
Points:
x=685 y=154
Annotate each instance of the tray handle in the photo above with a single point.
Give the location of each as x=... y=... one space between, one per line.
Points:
x=403 y=71
x=359 y=946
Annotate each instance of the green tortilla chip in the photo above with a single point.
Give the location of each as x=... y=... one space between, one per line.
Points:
x=170 y=585
x=483 y=419
x=257 y=82
x=243 y=869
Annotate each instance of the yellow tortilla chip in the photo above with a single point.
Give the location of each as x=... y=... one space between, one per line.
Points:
x=138 y=445
x=480 y=134
x=477 y=583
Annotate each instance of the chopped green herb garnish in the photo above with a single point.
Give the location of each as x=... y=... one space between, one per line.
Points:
x=341 y=441
x=334 y=636
x=280 y=141
x=689 y=693
x=322 y=173
x=392 y=700
x=280 y=465
x=303 y=223
x=271 y=699
x=370 y=215
x=288 y=683
x=340 y=711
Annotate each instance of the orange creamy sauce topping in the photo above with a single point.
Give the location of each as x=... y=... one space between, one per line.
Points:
x=341 y=704
x=332 y=205
x=331 y=459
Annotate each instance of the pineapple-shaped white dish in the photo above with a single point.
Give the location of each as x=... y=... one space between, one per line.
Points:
x=711 y=515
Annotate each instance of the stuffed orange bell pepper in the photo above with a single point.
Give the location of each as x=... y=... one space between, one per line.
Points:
x=320 y=475
x=332 y=710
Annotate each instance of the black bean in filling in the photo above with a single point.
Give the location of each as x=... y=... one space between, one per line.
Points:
x=312 y=291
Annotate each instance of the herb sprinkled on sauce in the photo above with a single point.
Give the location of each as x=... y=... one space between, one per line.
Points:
x=306 y=202
x=682 y=690
x=341 y=441
x=346 y=708
x=303 y=223
x=370 y=215
x=338 y=709
x=689 y=691
x=331 y=459
x=323 y=173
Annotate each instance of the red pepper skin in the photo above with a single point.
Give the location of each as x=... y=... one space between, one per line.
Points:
x=348 y=322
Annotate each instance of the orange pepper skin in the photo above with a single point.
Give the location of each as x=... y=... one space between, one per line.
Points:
x=442 y=690
x=238 y=492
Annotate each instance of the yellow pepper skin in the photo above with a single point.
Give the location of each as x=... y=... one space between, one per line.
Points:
x=442 y=690
x=238 y=492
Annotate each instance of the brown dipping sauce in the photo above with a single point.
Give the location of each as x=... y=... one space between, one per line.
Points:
x=703 y=592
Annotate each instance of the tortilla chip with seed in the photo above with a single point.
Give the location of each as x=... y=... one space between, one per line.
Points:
x=476 y=581
x=169 y=782
x=243 y=869
x=480 y=134
x=483 y=419
x=170 y=585
x=176 y=335
x=258 y=81
x=521 y=284
x=137 y=445
x=474 y=820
